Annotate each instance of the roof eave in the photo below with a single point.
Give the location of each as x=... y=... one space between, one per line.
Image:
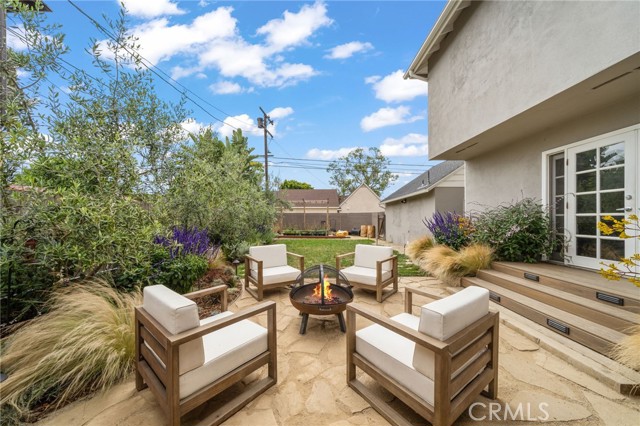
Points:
x=419 y=68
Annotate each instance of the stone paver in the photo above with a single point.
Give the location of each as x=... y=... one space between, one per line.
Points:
x=312 y=387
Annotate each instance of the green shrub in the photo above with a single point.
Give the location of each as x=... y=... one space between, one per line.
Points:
x=518 y=232
x=449 y=229
x=181 y=273
x=85 y=343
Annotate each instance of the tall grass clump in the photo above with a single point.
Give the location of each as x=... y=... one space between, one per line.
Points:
x=85 y=343
x=519 y=232
x=448 y=265
x=628 y=350
x=417 y=247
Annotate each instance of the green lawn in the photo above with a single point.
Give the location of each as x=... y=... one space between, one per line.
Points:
x=324 y=251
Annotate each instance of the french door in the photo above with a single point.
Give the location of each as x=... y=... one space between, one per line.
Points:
x=602 y=180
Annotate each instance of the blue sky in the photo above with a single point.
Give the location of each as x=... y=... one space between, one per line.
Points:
x=329 y=73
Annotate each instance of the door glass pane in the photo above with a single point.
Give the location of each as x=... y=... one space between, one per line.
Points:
x=610 y=202
x=559 y=186
x=611 y=249
x=612 y=155
x=586 y=247
x=586 y=182
x=610 y=224
x=586 y=225
x=612 y=178
x=586 y=203
x=559 y=166
x=586 y=160
x=559 y=205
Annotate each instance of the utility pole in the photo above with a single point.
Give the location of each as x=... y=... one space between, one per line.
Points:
x=263 y=122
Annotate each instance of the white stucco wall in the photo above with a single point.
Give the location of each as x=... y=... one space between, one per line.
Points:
x=515 y=170
x=505 y=57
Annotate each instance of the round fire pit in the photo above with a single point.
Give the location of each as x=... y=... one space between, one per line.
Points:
x=321 y=290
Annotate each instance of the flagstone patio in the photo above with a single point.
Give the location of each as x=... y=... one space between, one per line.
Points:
x=312 y=387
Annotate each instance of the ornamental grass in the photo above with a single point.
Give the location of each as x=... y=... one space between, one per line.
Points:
x=84 y=344
x=417 y=247
x=449 y=266
x=628 y=350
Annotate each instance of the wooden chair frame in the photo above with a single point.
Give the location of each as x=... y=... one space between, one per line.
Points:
x=380 y=284
x=258 y=292
x=164 y=381
x=451 y=396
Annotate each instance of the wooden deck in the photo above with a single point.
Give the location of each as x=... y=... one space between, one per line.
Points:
x=575 y=303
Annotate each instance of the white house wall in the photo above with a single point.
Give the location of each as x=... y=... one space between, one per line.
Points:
x=362 y=200
x=514 y=171
x=509 y=56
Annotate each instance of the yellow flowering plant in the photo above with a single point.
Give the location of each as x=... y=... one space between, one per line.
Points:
x=629 y=267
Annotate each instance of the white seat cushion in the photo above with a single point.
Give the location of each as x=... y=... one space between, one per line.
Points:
x=445 y=317
x=177 y=314
x=367 y=256
x=224 y=350
x=393 y=354
x=271 y=256
x=277 y=274
x=362 y=275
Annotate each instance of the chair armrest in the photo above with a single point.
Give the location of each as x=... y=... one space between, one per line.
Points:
x=194 y=333
x=423 y=340
x=300 y=259
x=209 y=291
x=408 y=297
x=342 y=256
x=247 y=264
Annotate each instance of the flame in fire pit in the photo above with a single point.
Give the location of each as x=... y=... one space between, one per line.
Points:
x=317 y=291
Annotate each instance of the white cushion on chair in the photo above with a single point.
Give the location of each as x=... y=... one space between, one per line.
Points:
x=393 y=354
x=367 y=256
x=445 y=317
x=272 y=255
x=362 y=275
x=224 y=350
x=177 y=314
x=277 y=274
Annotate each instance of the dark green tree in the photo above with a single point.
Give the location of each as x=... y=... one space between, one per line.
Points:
x=357 y=168
x=294 y=184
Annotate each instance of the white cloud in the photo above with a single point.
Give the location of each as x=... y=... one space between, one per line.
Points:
x=388 y=117
x=280 y=112
x=410 y=145
x=329 y=154
x=242 y=121
x=394 y=88
x=151 y=9
x=159 y=40
x=22 y=73
x=192 y=126
x=17 y=42
x=295 y=28
x=347 y=50
x=226 y=88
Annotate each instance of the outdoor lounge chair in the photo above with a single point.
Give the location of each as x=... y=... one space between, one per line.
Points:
x=266 y=268
x=374 y=268
x=186 y=362
x=436 y=363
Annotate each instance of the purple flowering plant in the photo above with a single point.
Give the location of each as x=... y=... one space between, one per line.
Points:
x=450 y=229
x=184 y=241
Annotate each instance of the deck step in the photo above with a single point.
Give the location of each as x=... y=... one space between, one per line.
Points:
x=587 y=284
x=588 y=333
x=608 y=315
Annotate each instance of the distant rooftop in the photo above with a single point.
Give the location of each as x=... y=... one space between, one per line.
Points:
x=426 y=180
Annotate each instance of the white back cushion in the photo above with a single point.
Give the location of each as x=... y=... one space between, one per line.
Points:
x=445 y=317
x=367 y=256
x=273 y=255
x=177 y=314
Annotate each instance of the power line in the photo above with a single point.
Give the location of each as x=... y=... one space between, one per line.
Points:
x=151 y=67
x=331 y=161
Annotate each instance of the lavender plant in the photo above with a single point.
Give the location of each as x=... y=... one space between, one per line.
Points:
x=450 y=229
x=185 y=241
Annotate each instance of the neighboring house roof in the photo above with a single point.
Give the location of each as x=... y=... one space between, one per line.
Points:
x=419 y=67
x=310 y=197
x=426 y=181
x=363 y=186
